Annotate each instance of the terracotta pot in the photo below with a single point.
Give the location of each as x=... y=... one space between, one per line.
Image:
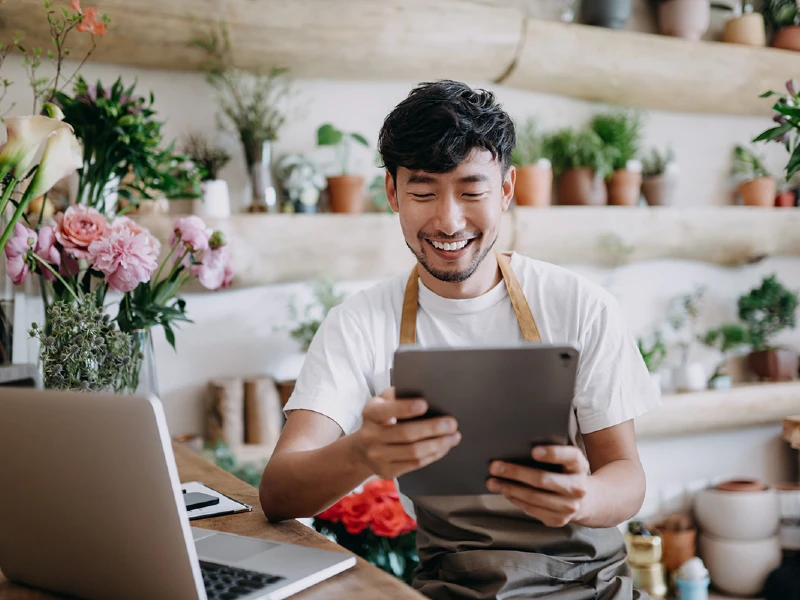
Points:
x=774 y=365
x=534 y=185
x=678 y=547
x=624 y=188
x=607 y=13
x=787 y=38
x=748 y=29
x=581 y=187
x=659 y=190
x=741 y=485
x=785 y=199
x=688 y=19
x=759 y=192
x=346 y=193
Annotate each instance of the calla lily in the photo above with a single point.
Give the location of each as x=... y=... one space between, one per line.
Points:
x=62 y=157
x=25 y=135
x=53 y=111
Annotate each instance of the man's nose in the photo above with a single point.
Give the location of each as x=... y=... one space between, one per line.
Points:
x=449 y=215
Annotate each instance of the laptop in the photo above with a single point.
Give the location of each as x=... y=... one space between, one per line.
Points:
x=91 y=507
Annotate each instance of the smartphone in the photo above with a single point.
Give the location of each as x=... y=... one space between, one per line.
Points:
x=196 y=500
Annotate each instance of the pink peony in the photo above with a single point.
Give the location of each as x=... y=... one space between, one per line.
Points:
x=16 y=250
x=192 y=232
x=47 y=251
x=135 y=228
x=215 y=270
x=125 y=258
x=78 y=228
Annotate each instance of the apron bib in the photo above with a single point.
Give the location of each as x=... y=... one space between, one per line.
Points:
x=483 y=547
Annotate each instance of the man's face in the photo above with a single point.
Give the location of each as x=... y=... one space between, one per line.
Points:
x=451 y=220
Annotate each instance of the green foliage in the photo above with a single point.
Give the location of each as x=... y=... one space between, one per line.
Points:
x=325 y=298
x=746 y=165
x=621 y=133
x=654 y=355
x=152 y=304
x=209 y=158
x=726 y=337
x=328 y=135
x=655 y=162
x=786 y=115
x=532 y=145
x=579 y=148
x=220 y=454
x=781 y=13
x=82 y=349
x=682 y=318
x=766 y=311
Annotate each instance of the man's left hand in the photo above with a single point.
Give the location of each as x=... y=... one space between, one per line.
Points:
x=556 y=499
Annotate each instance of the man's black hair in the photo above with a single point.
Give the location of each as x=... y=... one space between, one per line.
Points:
x=440 y=123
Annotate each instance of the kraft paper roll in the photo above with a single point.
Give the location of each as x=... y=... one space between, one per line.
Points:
x=263 y=411
x=225 y=418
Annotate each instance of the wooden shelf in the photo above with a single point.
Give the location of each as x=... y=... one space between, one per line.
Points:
x=283 y=248
x=415 y=40
x=716 y=410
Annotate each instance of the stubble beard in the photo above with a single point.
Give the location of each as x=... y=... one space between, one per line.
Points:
x=451 y=276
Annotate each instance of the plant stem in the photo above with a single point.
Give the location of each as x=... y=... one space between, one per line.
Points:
x=47 y=266
x=23 y=204
x=7 y=194
x=166 y=260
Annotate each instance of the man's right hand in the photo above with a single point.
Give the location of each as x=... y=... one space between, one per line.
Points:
x=391 y=446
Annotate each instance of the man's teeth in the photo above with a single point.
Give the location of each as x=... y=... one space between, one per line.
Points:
x=450 y=245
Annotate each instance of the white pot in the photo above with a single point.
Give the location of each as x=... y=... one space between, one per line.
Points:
x=739 y=568
x=690 y=378
x=216 y=202
x=657 y=383
x=738 y=515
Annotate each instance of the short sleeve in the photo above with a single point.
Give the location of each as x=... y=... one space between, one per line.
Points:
x=333 y=380
x=613 y=383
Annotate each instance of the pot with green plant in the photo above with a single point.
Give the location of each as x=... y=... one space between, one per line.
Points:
x=682 y=317
x=725 y=339
x=215 y=202
x=531 y=157
x=653 y=355
x=783 y=23
x=755 y=185
x=607 y=13
x=746 y=26
x=621 y=133
x=345 y=191
x=580 y=164
x=659 y=177
x=766 y=311
x=301 y=181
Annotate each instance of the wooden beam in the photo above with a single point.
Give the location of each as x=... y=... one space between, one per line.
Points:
x=474 y=40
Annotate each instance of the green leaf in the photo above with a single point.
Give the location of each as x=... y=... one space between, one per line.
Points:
x=789 y=111
x=774 y=133
x=170 y=335
x=768 y=94
x=360 y=139
x=794 y=164
x=328 y=135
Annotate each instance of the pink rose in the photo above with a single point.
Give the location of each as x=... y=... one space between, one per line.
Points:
x=47 y=251
x=192 y=232
x=215 y=269
x=125 y=258
x=135 y=229
x=16 y=251
x=78 y=227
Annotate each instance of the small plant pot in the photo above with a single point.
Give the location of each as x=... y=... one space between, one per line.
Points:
x=785 y=199
x=774 y=365
x=659 y=190
x=607 y=13
x=690 y=378
x=346 y=194
x=688 y=19
x=678 y=547
x=748 y=29
x=581 y=187
x=624 y=188
x=534 y=186
x=215 y=203
x=758 y=192
x=787 y=38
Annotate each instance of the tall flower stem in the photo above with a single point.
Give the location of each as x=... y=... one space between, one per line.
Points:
x=47 y=266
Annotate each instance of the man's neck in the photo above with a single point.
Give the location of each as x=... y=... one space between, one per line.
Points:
x=485 y=277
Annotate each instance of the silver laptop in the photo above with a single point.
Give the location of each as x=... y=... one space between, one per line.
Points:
x=91 y=507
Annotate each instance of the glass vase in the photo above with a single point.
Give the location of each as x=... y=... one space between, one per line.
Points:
x=144 y=377
x=264 y=194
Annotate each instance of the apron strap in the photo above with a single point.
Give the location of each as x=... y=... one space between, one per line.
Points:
x=408 y=321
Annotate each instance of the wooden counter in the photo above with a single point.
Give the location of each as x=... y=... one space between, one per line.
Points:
x=361 y=582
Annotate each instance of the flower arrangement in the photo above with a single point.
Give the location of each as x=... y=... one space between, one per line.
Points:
x=301 y=180
x=373 y=525
x=208 y=157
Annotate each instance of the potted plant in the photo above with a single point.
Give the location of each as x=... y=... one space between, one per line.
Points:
x=786 y=115
x=580 y=164
x=345 y=191
x=688 y=376
x=766 y=311
x=653 y=356
x=621 y=133
x=746 y=26
x=607 y=13
x=659 y=177
x=531 y=157
x=215 y=202
x=753 y=182
x=301 y=181
x=725 y=339
x=783 y=21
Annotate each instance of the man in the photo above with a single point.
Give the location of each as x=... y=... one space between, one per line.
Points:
x=447 y=151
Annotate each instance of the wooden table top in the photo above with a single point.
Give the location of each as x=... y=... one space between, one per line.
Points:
x=363 y=581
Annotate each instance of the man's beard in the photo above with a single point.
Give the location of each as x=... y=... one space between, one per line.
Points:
x=451 y=276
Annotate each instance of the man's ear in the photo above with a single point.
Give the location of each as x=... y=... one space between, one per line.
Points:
x=391 y=192
x=508 y=187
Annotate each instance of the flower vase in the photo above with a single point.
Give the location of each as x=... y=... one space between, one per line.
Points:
x=144 y=378
x=264 y=194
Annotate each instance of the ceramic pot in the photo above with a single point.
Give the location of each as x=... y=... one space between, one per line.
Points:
x=657 y=378
x=534 y=186
x=688 y=19
x=581 y=187
x=215 y=203
x=758 y=192
x=748 y=29
x=787 y=38
x=789 y=501
x=692 y=589
x=346 y=194
x=624 y=188
x=785 y=199
x=607 y=13
x=737 y=567
x=690 y=378
x=659 y=190
x=774 y=365
x=679 y=546
x=737 y=515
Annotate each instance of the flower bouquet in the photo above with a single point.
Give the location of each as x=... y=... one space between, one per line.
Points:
x=373 y=525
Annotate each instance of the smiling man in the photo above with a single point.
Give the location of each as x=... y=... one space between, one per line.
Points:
x=534 y=534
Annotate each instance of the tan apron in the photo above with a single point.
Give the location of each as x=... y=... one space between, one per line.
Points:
x=482 y=547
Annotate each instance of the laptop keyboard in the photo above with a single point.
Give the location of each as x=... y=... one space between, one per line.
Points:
x=228 y=583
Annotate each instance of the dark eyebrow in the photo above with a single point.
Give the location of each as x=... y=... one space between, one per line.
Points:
x=421 y=178
x=476 y=178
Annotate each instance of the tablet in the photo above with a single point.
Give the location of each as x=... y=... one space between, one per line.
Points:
x=506 y=401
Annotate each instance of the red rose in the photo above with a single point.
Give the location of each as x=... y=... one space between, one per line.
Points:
x=356 y=512
x=389 y=519
x=332 y=514
x=411 y=525
x=381 y=490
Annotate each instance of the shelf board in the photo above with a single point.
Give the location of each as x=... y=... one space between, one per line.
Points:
x=473 y=40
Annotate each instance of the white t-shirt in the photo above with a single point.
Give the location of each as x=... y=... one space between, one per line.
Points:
x=350 y=358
